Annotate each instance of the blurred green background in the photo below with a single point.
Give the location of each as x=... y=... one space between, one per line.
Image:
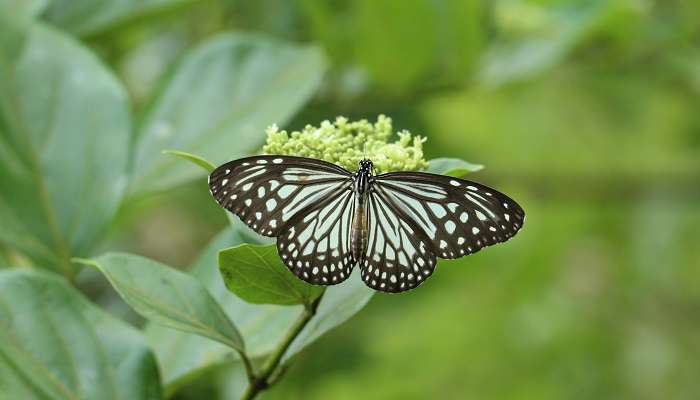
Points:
x=586 y=112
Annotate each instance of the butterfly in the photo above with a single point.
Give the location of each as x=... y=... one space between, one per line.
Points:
x=395 y=225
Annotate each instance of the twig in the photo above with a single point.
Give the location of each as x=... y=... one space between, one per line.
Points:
x=261 y=381
x=248 y=366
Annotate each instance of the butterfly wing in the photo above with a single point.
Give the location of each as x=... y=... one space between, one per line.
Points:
x=306 y=203
x=460 y=217
x=438 y=216
x=266 y=192
x=316 y=245
x=399 y=255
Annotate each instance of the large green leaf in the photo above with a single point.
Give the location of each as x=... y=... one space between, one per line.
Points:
x=64 y=133
x=183 y=356
x=218 y=102
x=168 y=297
x=54 y=344
x=257 y=275
x=88 y=17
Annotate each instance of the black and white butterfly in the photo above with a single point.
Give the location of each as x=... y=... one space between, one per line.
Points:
x=327 y=219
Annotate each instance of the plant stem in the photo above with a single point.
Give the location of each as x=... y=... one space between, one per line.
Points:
x=248 y=366
x=260 y=381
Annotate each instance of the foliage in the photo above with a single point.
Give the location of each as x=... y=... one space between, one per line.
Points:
x=217 y=101
x=46 y=160
x=257 y=275
x=56 y=344
x=168 y=297
x=582 y=109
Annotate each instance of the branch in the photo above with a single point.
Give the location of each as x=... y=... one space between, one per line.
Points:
x=261 y=381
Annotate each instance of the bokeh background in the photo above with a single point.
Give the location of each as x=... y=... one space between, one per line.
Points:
x=586 y=112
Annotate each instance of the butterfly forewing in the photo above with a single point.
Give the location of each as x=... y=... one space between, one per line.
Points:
x=399 y=255
x=266 y=192
x=316 y=244
x=459 y=217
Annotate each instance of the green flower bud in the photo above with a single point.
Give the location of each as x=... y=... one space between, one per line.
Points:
x=345 y=143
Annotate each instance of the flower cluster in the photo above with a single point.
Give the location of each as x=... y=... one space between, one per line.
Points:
x=345 y=143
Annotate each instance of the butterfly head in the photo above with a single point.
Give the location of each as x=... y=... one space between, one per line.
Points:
x=366 y=166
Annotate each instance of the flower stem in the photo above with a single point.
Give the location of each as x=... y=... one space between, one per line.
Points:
x=260 y=382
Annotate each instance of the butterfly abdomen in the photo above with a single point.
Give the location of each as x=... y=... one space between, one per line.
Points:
x=359 y=232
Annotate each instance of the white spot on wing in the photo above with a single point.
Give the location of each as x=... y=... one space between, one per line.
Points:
x=438 y=210
x=285 y=191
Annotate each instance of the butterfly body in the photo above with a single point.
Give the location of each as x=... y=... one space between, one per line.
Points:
x=394 y=226
x=359 y=229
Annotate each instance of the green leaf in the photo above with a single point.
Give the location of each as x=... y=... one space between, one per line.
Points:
x=62 y=169
x=544 y=36
x=257 y=275
x=54 y=344
x=197 y=160
x=89 y=17
x=184 y=356
x=23 y=8
x=452 y=167
x=218 y=102
x=168 y=297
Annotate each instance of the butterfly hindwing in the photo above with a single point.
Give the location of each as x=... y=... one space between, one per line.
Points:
x=266 y=192
x=459 y=217
x=399 y=256
x=315 y=246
